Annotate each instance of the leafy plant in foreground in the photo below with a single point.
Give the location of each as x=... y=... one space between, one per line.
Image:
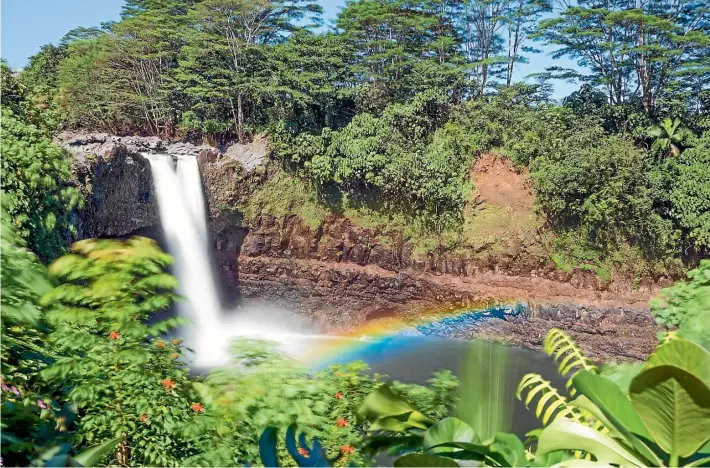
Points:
x=663 y=419
x=686 y=305
x=124 y=378
x=262 y=388
x=27 y=412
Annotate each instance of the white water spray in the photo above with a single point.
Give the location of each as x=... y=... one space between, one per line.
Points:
x=182 y=214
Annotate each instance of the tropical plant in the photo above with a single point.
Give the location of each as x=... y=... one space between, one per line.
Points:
x=669 y=137
x=662 y=420
x=262 y=388
x=37 y=193
x=686 y=305
x=29 y=415
x=397 y=426
x=608 y=426
x=124 y=377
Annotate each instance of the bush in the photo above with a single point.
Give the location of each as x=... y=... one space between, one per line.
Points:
x=28 y=414
x=596 y=183
x=125 y=379
x=36 y=191
x=405 y=158
x=683 y=194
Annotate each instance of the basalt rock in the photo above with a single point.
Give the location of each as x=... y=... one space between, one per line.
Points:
x=342 y=295
x=117 y=183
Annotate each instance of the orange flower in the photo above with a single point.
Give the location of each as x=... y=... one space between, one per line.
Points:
x=303 y=451
x=342 y=422
x=160 y=344
x=339 y=395
x=176 y=342
x=347 y=448
x=175 y=355
x=198 y=407
x=114 y=335
x=167 y=384
x=144 y=417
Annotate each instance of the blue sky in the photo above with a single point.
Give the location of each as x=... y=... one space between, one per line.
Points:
x=29 y=24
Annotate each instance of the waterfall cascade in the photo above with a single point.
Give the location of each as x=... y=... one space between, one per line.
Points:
x=182 y=211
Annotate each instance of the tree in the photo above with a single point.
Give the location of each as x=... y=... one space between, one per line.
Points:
x=402 y=48
x=37 y=193
x=223 y=62
x=668 y=137
x=632 y=49
x=521 y=19
x=481 y=24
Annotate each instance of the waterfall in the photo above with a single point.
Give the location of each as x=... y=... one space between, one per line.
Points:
x=187 y=243
x=189 y=176
x=182 y=214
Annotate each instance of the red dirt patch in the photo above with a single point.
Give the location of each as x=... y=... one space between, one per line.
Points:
x=498 y=183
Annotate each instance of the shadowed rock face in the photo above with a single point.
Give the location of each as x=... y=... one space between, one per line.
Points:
x=116 y=180
x=118 y=189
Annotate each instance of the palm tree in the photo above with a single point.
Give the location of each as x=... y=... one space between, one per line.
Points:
x=669 y=138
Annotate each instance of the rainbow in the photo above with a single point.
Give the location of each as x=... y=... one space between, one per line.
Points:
x=381 y=338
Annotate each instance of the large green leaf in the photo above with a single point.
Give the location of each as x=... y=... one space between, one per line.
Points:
x=616 y=408
x=564 y=434
x=449 y=430
x=424 y=460
x=684 y=354
x=92 y=456
x=674 y=405
x=509 y=448
x=388 y=411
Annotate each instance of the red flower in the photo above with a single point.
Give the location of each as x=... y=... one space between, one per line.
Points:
x=167 y=384
x=144 y=417
x=303 y=451
x=114 y=335
x=342 y=422
x=176 y=342
x=198 y=407
x=160 y=344
x=347 y=448
x=339 y=395
x=175 y=355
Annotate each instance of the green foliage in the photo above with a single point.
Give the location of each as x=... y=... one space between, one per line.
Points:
x=36 y=190
x=26 y=425
x=125 y=380
x=683 y=194
x=668 y=137
x=262 y=388
x=402 y=158
x=593 y=183
x=686 y=305
x=442 y=441
x=661 y=421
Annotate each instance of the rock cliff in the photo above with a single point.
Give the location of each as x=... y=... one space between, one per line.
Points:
x=343 y=274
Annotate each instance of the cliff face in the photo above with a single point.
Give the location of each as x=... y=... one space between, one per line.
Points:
x=343 y=274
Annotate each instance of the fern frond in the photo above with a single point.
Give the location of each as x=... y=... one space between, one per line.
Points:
x=550 y=405
x=568 y=355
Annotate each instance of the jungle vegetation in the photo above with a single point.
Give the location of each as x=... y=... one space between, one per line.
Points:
x=390 y=105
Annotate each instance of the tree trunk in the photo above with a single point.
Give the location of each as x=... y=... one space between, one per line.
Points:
x=240 y=119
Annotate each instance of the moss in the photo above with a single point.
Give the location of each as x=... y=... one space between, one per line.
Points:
x=283 y=195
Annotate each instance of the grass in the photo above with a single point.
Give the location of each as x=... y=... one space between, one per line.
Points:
x=283 y=195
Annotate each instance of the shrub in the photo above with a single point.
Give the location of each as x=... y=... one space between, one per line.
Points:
x=125 y=379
